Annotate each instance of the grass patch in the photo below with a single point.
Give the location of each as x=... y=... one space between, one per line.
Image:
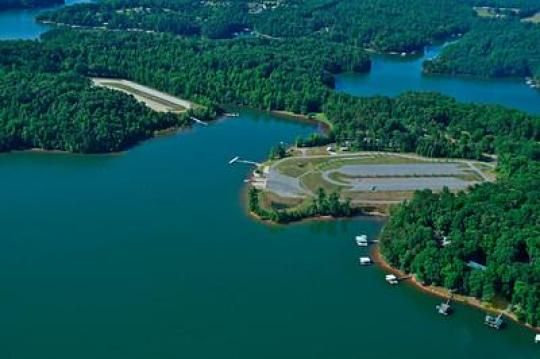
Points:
x=313 y=181
x=378 y=196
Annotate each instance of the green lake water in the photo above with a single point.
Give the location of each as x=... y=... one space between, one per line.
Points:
x=150 y=254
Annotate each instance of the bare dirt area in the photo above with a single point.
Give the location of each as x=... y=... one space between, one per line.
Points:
x=154 y=99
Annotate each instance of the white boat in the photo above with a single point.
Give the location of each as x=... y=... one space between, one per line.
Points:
x=391 y=279
x=362 y=240
x=537 y=338
x=365 y=261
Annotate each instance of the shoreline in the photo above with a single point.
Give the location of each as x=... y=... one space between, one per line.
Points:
x=327 y=125
x=170 y=131
x=443 y=293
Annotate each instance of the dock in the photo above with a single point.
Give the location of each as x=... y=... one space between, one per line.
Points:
x=237 y=159
x=361 y=240
x=365 y=261
x=444 y=308
x=537 y=339
x=196 y=120
x=494 y=322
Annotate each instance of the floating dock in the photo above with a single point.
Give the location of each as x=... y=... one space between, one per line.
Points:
x=196 y=120
x=361 y=240
x=365 y=261
x=391 y=279
x=494 y=322
x=238 y=160
x=444 y=308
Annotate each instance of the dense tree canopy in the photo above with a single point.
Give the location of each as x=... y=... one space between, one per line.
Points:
x=62 y=112
x=383 y=25
x=497 y=48
x=256 y=72
x=430 y=124
x=495 y=224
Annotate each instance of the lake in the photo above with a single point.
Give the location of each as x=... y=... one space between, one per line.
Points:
x=393 y=75
x=21 y=24
x=151 y=254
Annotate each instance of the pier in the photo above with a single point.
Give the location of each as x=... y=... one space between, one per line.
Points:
x=494 y=322
x=444 y=308
x=196 y=120
x=237 y=159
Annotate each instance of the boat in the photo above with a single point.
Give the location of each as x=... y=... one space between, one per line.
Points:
x=361 y=240
x=391 y=279
x=494 y=322
x=365 y=261
x=537 y=339
x=444 y=308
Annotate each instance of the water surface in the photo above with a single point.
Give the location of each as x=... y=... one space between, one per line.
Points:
x=21 y=24
x=150 y=254
x=393 y=75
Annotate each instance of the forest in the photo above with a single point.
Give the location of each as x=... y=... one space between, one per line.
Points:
x=322 y=205
x=490 y=47
x=276 y=75
x=429 y=124
x=360 y=23
x=436 y=235
x=497 y=48
x=252 y=72
x=62 y=112
x=26 y=4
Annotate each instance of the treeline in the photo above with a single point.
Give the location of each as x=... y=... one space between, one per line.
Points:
x=25 y=4
x=63 y=112
x=497 y=48
x=189 y=18
x=278 y=75
x=263 y=74
x=382 y=25
x=322 y=205
x=253 y=72
x=436 y=235
x=429 y=124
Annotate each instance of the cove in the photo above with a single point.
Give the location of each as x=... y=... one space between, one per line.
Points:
x=392 y=75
